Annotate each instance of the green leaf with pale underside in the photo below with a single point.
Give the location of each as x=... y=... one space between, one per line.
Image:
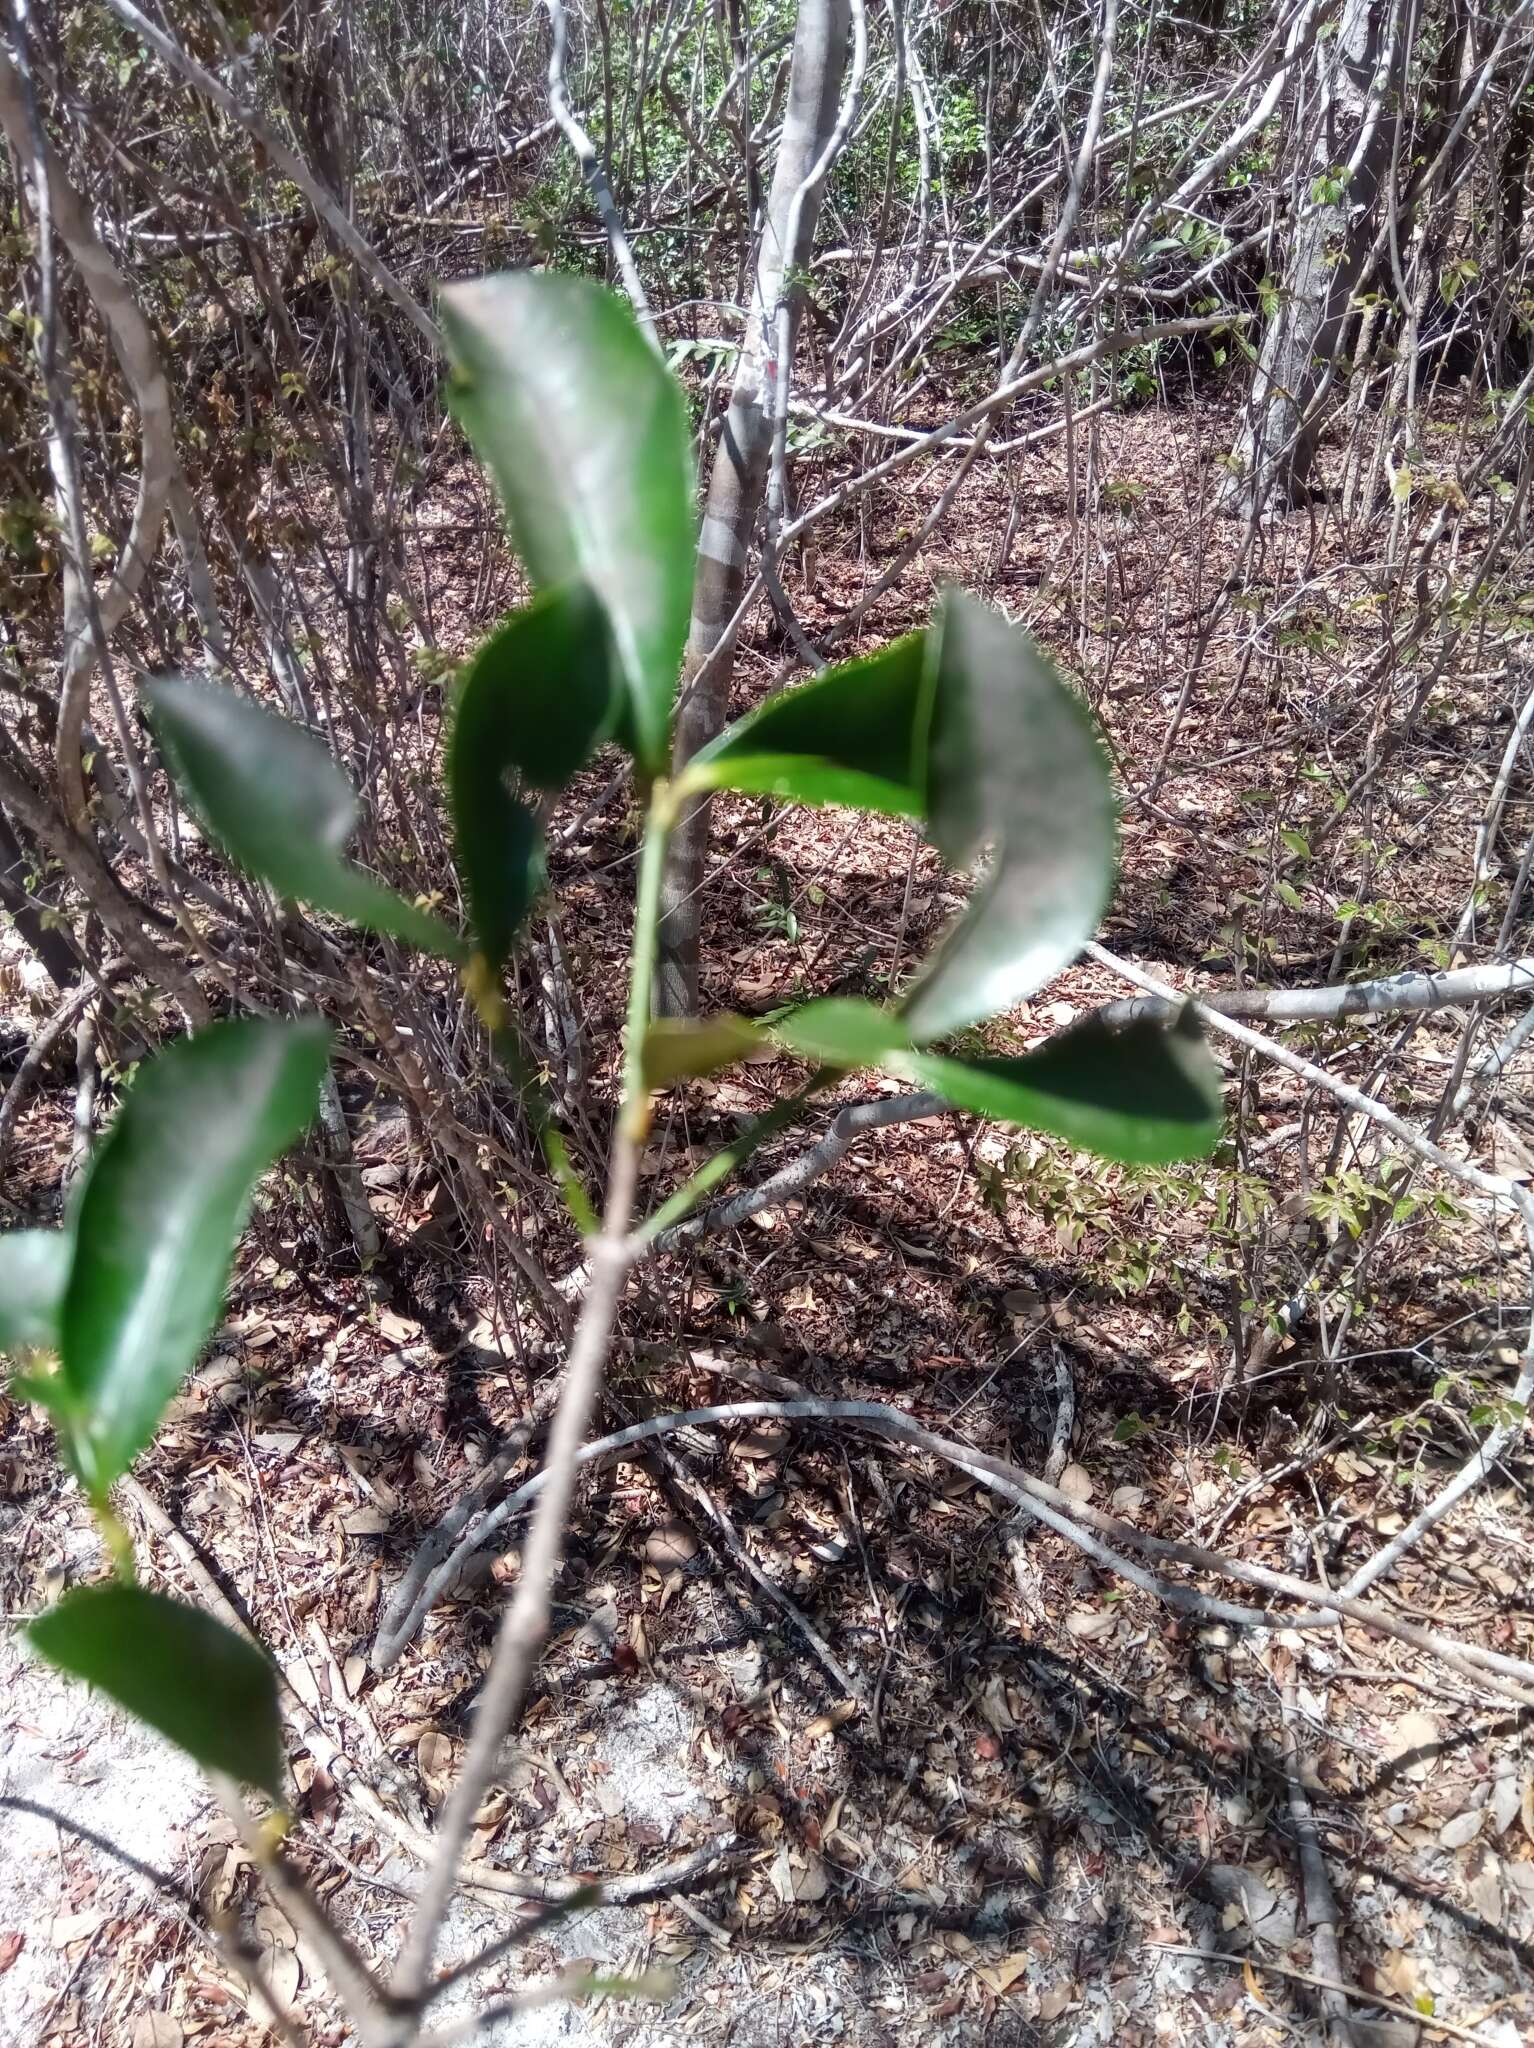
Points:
x=276 y=802
x=857 y=736
x=842 y=1031
x=968 y=726
x=1148 y=1094
x=585 y=432
x=682 y=1049
x=206 y=1689
x=838 y=1031
x=1016 y=773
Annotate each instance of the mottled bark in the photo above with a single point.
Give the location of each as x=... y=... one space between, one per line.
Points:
x=739 y=474
x=53 y=947
x=1357 y=76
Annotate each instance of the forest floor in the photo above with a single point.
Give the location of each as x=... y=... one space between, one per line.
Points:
x=961 y=1785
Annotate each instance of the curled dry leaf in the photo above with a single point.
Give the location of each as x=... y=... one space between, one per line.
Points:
x=1505 y=1802
x=1485 y=1892
x=769 y=1440
x=1054 y=2000
x=434 y=1756
x=285 y=1975
x=1412 y=1733
x=1075 y=1482
x=1462 y=1829
x=670 y=1546
x=69 y=1928
x=838 y=1717
x=157 y=2030
x=1005 y=1972
x=1091 y=1624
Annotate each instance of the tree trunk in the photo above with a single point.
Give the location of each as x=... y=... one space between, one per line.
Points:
x=739 y=475
x=1510 y=358
x=53 y=947
x=1341 y=176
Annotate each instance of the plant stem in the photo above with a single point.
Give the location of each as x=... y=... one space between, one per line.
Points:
x=119 y=1544
x=635 y=1111
x=725 y=1161
x=525 y=1623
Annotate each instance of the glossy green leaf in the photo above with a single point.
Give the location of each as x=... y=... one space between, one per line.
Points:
x=585 y=432
x=968 y=726
x=1015 y=771
x=206 y=1689
x=842 y=1031
x=276 y=802
x=540 y=694
x=501 y=859
x=537 y=698
x=34 y=1266
x=677 y=1049
x=857 y=735
x=1148 y=1094
x=162 y=1204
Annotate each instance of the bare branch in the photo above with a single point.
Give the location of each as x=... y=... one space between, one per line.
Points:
x=591 y=170
x=288 y=161
x=1394 y=995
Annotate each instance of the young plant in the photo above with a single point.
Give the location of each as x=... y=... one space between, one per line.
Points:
x=964 y=726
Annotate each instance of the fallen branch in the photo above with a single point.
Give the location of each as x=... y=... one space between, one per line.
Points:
x=1082 y=1526
x=433 y=1563
x=1394 y=995
x=1399 y=994
x=1318 y=1983
x=847 y=1125
x=1353 y=1098
x=631 y=1888
x=1024 y=1570
x=1469 y=1475
x=1493 y=1064
x=891 y=1421
x=1485 y=1455
x=729 y=1539
x=715 y=1860
x=1321 y=1915
x=241 y=1956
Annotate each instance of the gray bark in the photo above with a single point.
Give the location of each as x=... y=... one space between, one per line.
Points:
x=361 y=1223
x=1358 y=76
x=55 y=948
x=739 y=476
x=1396 y=995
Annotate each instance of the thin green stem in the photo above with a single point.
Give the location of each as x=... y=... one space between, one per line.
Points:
x=119 y=1544
x=635 y=1110
x=524 y=1625
x=724 y=1162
